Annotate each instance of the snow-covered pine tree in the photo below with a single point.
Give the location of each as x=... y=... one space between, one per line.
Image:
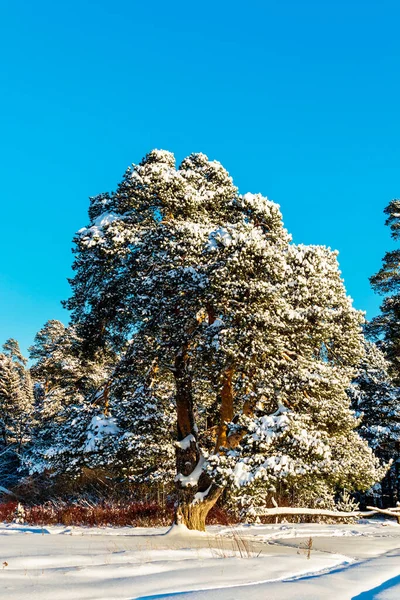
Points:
x=61 y=372
x=376 y=401
x=16 y=395
x=12 y=350
x=69 y=394
x=385 y=328
x=12 y=402
x=51 y=370
x=16 y=409
x=178 y=268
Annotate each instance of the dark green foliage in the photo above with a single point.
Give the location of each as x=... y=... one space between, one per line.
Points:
x=385 y=328
x=376 y=401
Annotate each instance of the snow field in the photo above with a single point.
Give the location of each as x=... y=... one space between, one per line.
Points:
x=135 y=563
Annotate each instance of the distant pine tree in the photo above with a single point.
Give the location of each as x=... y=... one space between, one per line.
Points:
x=376 y=401
x=69 y=392
x=16 y=409
x=385 y=328
x=60 y=370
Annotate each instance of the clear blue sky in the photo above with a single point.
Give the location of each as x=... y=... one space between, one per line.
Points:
x=298 y=99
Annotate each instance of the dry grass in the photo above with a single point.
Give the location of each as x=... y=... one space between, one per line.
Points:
x=306 y=547
x=233 y=545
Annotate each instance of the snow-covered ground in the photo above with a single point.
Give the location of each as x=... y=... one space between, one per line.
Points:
x=358 y=562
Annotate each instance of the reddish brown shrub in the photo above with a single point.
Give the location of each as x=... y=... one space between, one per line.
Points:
x=7 y=511
x=117 y=514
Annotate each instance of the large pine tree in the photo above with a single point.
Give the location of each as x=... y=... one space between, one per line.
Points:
x=200 y=291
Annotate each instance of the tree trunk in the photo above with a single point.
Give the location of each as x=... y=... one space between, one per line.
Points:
x=187 y=452
x=226 y=410
x=184 y=395
x=194 y=515
x=190 y=511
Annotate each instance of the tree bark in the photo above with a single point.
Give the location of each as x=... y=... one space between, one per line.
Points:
x=187 y=455
x=190 y=511
x=194 y=515
x=226 y=411
x=184 y=395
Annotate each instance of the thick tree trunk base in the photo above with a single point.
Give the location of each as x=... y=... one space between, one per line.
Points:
x=194 y=515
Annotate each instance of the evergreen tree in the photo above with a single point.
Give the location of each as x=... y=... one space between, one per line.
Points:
x=376 y=401
x=70 y=390
x=61 y=372
x=386 y=327
x=16 y=409
x=200 y=291
x=12 y=350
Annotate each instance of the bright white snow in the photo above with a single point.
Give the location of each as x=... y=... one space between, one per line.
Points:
x=347 y=562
